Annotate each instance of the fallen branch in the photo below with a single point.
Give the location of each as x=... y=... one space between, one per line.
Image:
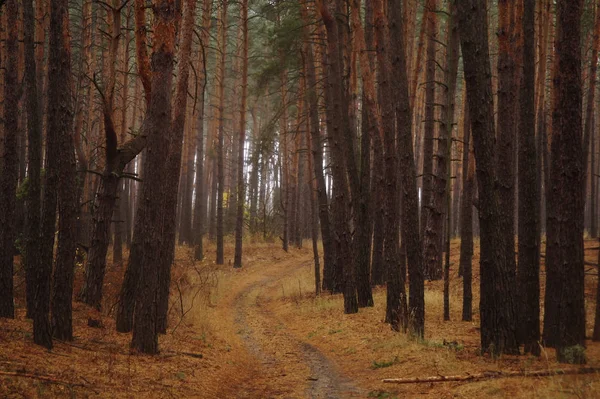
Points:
x=190 y=354
x=490 y=375
x=41 y=378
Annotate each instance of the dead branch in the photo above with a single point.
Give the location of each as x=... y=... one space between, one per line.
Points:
x=46 y=378
x=490 y=375
x=190 y=354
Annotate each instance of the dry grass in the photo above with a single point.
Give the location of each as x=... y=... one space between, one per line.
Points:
x=281 y=307
x=368 y=351
x=99 y=359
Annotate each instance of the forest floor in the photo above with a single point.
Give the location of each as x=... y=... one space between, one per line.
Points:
x=260 y=332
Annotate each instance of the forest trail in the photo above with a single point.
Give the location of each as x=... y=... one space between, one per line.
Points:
x=260 y=332
x=285 y=366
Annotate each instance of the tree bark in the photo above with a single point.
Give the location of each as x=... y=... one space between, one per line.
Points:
x=591 y=94
x=60 y=118
x=466 y=217
x=173 y=166
x=506 y=135
x=373 y=125
x=317 y=154
x=117 y=159
x=410 y=200
x=121 y=207
x=433 y=245
x=396 y=309
x=528 y=277
x=37 y=274
x=498 y=318
x=337 y=135
x=200 y=199
x=429 y=125
x=564 y=253
x=239 y=222
x=221 y=132
x=150 y=214
x=10 y=162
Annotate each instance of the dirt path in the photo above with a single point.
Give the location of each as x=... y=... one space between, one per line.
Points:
x=286 y=366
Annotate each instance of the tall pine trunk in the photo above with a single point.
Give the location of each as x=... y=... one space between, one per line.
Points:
x=466 y=216
x=200 y=196
x=60 y=118
x=38 y=274
x=221 y=133
x=497 y=305
x=564 y=253
x=239 y=222
x=316 y=148
x=337 y=136
x=528 y=276
x=150 y=214
x=408 y=176
x=10 y=162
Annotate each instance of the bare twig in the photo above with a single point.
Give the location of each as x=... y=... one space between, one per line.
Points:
x=490 y=375
x=46 y=378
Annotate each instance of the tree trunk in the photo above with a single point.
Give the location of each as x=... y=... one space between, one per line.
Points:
x=409 y=196
x=10 y=162
x=466 y=217
x=150 y=214
x=564 y=253
x=498 y=318
x=506 y=135
x=60 y=118
x=429 y=124
x=122 y=198
x=433 y=240
x=200 y=199
x=239 y=222
x=285 y=164
x=593 y=186
x=317 y=155
x=528 y=276
x=116 y=161
x=591 y=94
x=221 y=136
x=596 y=333
x=373 y=126
x=396 y=309
x=173 y=166
x=445 y=151
x=337 y=135
x=37 y=274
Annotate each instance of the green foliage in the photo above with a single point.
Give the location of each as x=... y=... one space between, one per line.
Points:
x=383 y=364
x=450 y=345
x=381 y=395
x=572 y=355
x=20 y=245
x=23 y=189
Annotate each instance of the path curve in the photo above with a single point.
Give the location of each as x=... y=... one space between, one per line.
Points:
x=301 y=369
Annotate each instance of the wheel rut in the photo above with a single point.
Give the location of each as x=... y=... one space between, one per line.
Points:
x=290 y=367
